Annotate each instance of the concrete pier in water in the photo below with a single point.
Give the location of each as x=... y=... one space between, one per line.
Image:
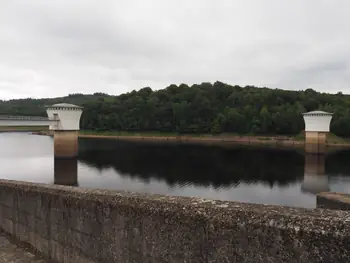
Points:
x=65 y=144
x=66 y=129
x=66 y=171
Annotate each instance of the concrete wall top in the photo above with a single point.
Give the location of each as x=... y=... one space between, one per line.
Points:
x=333 y=200
x=115 y=226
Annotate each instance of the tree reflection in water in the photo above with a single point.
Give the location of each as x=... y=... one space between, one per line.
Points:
x=183 y=164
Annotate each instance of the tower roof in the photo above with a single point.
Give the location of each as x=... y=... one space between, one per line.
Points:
x=65 y=105
x=317 y=113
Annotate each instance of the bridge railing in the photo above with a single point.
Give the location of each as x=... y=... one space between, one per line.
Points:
x=27 y=118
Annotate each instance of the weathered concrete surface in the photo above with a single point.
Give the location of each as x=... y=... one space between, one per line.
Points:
x=331 y=200
x=315 y=142
x=65 y=144
x=11 y=252
x=81 y=225
x=66 y=171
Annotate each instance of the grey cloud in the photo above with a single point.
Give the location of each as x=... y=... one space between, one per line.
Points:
x=52 y=48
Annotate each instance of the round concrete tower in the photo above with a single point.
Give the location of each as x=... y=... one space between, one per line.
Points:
x=65 y=129
x=317 y=125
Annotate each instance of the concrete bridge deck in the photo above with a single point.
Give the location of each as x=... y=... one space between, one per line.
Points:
x=7 y=120
x=16 y=117
x=12 y=252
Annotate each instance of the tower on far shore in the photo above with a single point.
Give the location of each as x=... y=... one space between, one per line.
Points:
x=65 y=129
x=317 y=125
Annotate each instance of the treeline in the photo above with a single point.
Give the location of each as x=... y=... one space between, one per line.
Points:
x=203 y=108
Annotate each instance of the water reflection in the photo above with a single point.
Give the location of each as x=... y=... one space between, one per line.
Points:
x=66 y=172
x=315 y=179
x=240 y=173
x=195 y=165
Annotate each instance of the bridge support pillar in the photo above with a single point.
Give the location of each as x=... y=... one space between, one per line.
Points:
x=66 y=144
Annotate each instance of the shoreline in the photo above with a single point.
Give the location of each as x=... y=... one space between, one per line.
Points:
x=270 y=141
x=216 y=140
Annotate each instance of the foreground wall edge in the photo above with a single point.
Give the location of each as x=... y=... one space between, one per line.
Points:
x=70 y=224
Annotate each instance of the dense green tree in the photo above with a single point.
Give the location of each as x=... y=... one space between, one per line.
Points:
x=200 y=108
x=236 y=122
x=265 y=120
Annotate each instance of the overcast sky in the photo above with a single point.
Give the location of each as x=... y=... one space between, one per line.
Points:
x=52 y=48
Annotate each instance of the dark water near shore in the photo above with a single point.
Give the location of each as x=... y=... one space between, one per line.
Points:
x=244 y=174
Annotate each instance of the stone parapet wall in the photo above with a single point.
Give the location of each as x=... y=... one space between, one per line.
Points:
x=70 y=224
x=331 y=200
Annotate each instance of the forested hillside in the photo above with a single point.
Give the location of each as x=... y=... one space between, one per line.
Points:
x=204 y=108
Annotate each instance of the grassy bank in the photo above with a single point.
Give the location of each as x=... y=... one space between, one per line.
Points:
x=194 y=135
x=209 y=139
x=281 y=142
x=125 y=133
x=334 y=139
x=331 y=138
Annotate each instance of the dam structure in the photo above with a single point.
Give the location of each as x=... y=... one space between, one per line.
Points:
x=73 y=224
x=63 y=119
x=63 y=223
x=317 y=127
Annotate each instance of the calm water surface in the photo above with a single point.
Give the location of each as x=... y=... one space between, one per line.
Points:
x=242 y=174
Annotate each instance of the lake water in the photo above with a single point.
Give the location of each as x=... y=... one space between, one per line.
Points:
x=243 y=174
